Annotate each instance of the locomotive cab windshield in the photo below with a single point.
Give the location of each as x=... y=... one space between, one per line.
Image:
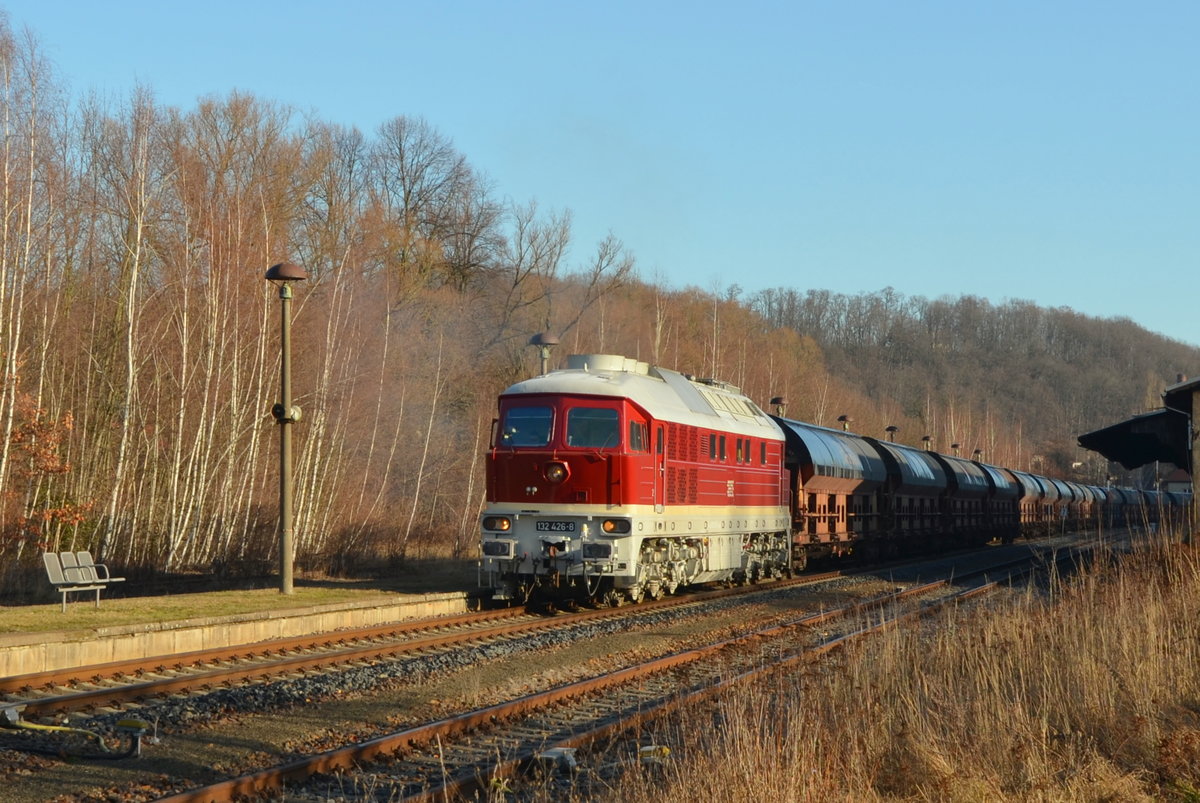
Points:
x=527 y=426
x=593 y=427
x=587 y=426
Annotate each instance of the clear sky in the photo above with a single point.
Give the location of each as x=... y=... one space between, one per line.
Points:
x=1033 y=149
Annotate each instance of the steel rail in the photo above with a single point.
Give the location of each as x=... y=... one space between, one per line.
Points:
x=93 y=672
x=465 y=786
x=137 y=692
x=271 y=779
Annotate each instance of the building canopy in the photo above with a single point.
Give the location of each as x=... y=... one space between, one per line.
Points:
x=1160 y=435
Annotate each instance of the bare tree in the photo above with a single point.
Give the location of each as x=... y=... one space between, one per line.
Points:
x=524 y=278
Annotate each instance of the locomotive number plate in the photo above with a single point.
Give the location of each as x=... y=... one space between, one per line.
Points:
x=555 y=526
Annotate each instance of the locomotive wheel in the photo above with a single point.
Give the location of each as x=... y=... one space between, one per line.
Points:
x=613 y=598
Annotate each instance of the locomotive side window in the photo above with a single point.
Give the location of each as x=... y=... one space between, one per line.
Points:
x=762 y=453
x=593 y=428
x=638 y=439
x=526 y=426
x=712 y=447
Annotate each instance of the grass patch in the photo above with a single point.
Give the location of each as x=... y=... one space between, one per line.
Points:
x=433 y=577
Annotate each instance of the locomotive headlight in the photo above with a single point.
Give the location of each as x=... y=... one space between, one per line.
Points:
x=556 y=472
x=597 y=550
x=501 y=523
x=616 y=526
x=498 y=549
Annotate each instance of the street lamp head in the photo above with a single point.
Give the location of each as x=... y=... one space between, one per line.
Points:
x=285 y=272
x=544 y=342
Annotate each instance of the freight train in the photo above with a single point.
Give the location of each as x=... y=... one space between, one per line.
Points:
x=613 y=480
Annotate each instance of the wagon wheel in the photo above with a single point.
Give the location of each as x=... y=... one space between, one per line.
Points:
x=800 y=561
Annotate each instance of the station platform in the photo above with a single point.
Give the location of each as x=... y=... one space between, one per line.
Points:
x=154 y=626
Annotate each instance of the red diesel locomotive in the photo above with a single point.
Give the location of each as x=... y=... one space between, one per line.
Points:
x=613 y=480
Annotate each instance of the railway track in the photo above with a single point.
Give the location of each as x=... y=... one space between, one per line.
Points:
x=135 y=681
x=463 y=755
x=470 y=631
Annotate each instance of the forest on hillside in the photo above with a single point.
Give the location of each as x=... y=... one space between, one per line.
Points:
x=140 y=348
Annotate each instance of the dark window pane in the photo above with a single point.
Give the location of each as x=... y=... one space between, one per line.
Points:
x=593 y=428
x=526 y=426
x=637 y=437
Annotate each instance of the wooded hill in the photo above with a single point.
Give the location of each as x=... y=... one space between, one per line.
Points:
x=140 y=348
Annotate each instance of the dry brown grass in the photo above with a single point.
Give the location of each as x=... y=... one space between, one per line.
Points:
x=1089 y=693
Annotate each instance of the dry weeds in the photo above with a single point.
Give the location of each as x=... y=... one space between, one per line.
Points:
x=1088 y=692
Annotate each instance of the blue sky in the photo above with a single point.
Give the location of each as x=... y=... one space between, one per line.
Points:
x=1038 y=150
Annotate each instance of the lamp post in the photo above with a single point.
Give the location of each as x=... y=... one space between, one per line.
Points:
x=544 y=342
x=285 y=414
x=891 y=431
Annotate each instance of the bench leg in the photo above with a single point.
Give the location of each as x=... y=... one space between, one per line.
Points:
x=97 y=598
x=64 y=604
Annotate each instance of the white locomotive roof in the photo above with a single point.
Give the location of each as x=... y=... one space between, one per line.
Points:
x=665 y=394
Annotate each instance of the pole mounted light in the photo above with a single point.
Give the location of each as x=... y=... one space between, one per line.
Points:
x=780 y=405
x=544 y=342
x=891 y=431
x=285 y=414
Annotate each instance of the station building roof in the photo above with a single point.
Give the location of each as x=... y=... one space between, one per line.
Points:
x=1162 y=435
x=1157 y=435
